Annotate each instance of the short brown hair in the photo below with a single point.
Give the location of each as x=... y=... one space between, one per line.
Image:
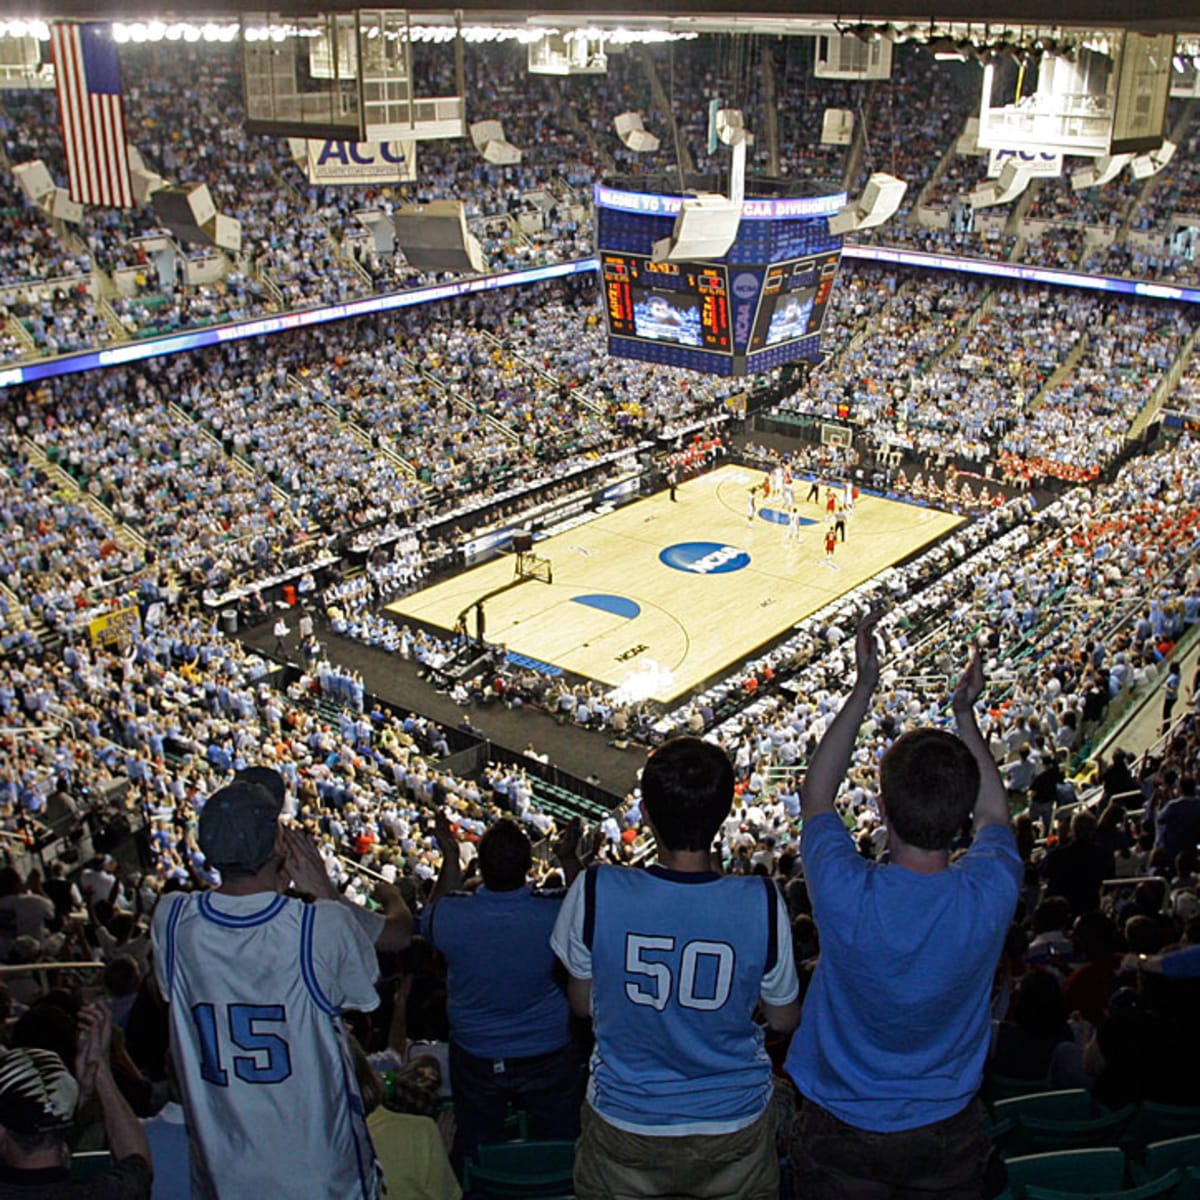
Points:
x=687 y=791
x=930 y=782
x=505 y=856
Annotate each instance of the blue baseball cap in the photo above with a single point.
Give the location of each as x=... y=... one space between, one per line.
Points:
x=239 y=825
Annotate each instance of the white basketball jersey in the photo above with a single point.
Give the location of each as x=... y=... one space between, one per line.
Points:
x=255 y=984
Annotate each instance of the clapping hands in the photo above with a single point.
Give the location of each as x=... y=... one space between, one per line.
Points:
x=443 y=833
x=94 y=1028
x=866 y=648
x=304 y=865
x=969 y=687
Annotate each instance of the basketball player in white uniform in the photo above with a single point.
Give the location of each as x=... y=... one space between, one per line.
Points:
x=256 y=981
x=795 y=522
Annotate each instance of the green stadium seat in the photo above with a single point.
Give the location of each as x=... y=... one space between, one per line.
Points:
x=1001 y=1131
x=1156 y=1122
x=518 y=1170
x=1189 y=1188
x=1166 y=1186
x=1036 y=1136
x=89 y=1163
x=1079 y=1172
x=1071 y=1104
x=1005 y=1087
x=516 y=1125
x=1167 y=1155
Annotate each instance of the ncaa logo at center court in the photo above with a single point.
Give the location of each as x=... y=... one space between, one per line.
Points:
x=704 y=558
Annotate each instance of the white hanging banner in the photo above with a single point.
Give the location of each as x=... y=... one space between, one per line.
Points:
x=1036 y=162
x=361 y=162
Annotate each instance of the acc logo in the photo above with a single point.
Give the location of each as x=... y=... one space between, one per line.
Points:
x=1027 y=156
x=363 y=153
x=745 y=286
x=704 y=558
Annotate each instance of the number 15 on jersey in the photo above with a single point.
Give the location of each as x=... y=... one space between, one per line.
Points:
x=266 y=1057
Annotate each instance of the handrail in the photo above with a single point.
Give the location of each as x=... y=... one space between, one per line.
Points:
x=1062 y=372
x=357 y=866
x=1164 y=389
x=25 y=968
x=1137 y=203
x=473 y=406
x=1133 y=879
x=201 y=427
x=124 y=535
x=9 y=291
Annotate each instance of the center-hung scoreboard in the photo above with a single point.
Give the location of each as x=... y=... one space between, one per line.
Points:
x=761 y=305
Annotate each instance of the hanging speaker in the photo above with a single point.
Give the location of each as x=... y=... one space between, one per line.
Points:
x=34 y=180
x=184 y=209
x=1012 y=181
x=435 y=237
x=633 y=134
x=837 y=127
x=705 y=228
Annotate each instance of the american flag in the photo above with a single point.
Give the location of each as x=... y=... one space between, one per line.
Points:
x=92 y=114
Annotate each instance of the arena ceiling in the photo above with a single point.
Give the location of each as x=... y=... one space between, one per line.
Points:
x=758 y=16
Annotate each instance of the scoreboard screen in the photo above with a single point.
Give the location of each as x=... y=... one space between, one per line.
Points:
x=686 y=304
x=793 y=300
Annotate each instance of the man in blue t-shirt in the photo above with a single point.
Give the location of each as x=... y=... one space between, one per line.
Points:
x=671 y=964
x=510 y=1036
x=890 y=1050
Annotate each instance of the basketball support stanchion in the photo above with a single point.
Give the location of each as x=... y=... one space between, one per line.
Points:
x=533 y=566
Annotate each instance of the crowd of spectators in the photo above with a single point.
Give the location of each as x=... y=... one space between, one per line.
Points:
x=160 y=485
x=916 y=326
x=1082 y=423
x=1057 y=246
x=910 y=122
x=208 y=464
x=1075 y=605
x=303 y=245
x=935 y=341
x=1056 y=200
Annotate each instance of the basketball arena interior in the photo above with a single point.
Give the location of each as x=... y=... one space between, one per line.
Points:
x=444 y=409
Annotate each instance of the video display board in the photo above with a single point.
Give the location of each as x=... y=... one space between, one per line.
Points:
x=793 y=300
x=686 y=304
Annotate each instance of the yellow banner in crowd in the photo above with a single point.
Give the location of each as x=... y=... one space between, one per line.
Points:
x=115 y=628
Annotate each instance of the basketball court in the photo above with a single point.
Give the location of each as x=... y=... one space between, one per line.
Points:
x=658 y=596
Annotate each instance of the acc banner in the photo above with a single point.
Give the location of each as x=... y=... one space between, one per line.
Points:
x=115 y=628
x=361 y=162
x=1037 y=162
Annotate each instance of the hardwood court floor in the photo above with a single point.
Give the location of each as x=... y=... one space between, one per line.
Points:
x=619 y=612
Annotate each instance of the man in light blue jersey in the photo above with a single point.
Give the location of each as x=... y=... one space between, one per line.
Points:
x=671 y=964
x=890 y=1052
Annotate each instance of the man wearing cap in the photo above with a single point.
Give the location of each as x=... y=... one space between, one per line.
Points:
x=256 y=981
x=38 y=1097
